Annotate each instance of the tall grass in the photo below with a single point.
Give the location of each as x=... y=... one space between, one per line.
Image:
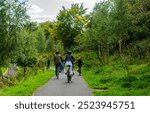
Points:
x=112 y=79
x=27 y=86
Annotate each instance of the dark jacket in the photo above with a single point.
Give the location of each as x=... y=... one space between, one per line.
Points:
x=70 y=58
x=57 y=59
x=79 y=63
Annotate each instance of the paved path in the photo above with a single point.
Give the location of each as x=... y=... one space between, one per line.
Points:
x=60 y=87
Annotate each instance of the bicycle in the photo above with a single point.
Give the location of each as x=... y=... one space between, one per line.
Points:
x=68 y=72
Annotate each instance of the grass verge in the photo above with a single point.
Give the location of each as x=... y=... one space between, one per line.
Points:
x=28 y=86
x=114 y=80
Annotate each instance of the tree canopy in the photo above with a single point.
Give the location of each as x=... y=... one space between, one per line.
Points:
x=70 y=24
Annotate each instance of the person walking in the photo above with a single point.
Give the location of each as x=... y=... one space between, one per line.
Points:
x=48 y=63
x=57 y=62
x=79 y=64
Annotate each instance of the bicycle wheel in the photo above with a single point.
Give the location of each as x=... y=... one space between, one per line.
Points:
x=68 y=75
x=68 y=79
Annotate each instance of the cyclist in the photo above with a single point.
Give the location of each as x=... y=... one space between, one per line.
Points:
x=57 y=62
x=69 y=60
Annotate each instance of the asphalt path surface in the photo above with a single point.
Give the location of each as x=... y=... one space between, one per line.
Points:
x=60 y=87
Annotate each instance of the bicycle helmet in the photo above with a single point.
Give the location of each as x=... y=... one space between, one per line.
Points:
x=69 y=52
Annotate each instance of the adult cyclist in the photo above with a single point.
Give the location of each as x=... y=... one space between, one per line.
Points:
x=69 y=61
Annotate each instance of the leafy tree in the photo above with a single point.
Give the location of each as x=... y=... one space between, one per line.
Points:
x=41 y=40
x=12 y=18
x=139 y=29
x=70 y=24
x=121 y=22
x=27 y=52
x=100 y=30
x=3 y=33
x=50 y=34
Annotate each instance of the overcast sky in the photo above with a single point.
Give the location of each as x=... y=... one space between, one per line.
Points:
x=43 y=10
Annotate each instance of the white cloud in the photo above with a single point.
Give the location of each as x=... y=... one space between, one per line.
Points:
x=79 y=1
x=39 y=12
x=42 y=18
x=34 y=9
x=87 y=3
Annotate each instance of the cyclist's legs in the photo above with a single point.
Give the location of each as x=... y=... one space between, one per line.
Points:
x=69 y=63
x=71 y=72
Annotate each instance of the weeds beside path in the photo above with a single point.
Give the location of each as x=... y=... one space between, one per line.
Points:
x=28 y=86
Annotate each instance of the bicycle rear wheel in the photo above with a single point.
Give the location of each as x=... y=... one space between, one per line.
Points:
x=68 y=75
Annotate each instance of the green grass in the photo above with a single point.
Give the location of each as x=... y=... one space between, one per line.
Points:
x=125 y=92
x=28 y=86
x=114 y=80
x=4 y=69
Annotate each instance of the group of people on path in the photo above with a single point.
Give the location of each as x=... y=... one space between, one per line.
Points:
x=68 y=60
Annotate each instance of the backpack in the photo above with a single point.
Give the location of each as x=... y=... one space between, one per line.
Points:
x=57 y=59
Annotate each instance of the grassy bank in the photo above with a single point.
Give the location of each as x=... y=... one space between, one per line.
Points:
x=114 y=80
x=28 y=86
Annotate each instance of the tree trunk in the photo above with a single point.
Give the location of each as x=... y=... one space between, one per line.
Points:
x=120 y=46
x=43 y=66
x=99 y=54
x=107 y=52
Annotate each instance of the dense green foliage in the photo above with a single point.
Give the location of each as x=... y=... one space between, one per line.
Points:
x=26 y=51
x=22 y=43
x=4 y=69
x=113 y=41
x=12 y=18
x=121 y=39
x=70 y=24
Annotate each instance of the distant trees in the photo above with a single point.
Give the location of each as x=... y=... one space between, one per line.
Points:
x=101 y=30
x=114 y=26
x=48 y=28
x=70 y=24
x=12 y=18
x=26 y=50
x=139 y=29
x=121 y=22
x=118 y=26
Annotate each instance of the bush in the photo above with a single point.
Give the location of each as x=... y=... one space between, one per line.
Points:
x=8 y=81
